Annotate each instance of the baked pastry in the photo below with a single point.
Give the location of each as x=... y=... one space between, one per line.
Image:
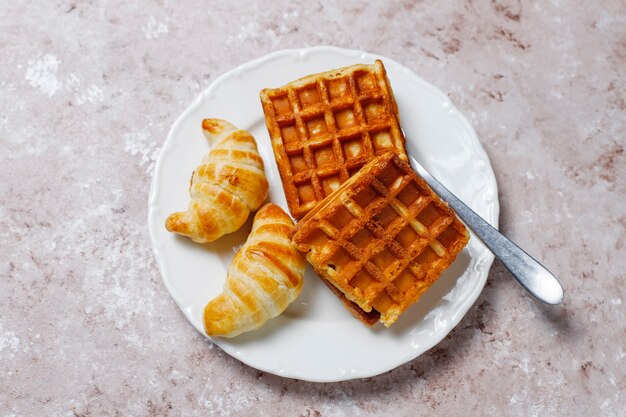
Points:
x=264 y=278
x=381 y=239
x=326 y=126
x=225 y=188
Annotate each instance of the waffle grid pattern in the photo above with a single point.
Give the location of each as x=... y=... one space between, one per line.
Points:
x=325 y=127
x=386 y=241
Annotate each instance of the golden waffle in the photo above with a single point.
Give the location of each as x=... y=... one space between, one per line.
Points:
x=326 y=126
x=382 y=239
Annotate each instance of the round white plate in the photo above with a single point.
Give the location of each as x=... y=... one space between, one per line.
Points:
x=316 y=338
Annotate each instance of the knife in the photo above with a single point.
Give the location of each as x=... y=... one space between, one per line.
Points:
x=533 y=276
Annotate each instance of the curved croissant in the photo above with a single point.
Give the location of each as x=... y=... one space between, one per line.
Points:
x=225 y=188
x=264 y=278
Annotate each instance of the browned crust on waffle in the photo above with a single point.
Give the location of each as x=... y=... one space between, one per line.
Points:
x=324 y=127
x=382 y=239
x=369 y=319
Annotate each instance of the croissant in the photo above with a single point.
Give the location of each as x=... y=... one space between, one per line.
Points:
x=225 y=188
x=264 y=278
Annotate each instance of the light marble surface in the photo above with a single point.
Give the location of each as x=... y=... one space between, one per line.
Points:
x=88 y=93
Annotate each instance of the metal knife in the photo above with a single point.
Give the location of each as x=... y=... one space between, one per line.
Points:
x=533 y=276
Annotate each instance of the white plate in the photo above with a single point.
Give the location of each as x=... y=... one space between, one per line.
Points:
x=316 y=339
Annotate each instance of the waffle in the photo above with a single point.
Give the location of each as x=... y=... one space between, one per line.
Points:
x=325 y=127
x=381 y=239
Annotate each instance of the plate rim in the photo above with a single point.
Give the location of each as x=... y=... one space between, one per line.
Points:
x=476 y=146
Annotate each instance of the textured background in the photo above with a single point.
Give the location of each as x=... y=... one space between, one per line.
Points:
x=88 y=91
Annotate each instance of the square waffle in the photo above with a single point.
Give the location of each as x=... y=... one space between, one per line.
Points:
x=325 y=127
x=381 y=239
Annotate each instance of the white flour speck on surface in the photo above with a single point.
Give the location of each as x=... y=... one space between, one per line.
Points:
x=134 y=340
x=291 y=15
x=72 y=82
x=92 y=94
x=234 y=400
x=41 y=74
x=126 y=298
x=8 y=340
x=524 y=365
x=82 y=95
x=28 y=149
x=154 y=29
x=275 y=34
x=249 y=32
x=139 y=143
x=21 y=140
x=343 y=404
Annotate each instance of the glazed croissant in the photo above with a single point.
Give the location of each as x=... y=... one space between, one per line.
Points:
x=225 y=188
x=264 y=278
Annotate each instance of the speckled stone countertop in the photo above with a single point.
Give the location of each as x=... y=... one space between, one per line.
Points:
x=88 y=93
